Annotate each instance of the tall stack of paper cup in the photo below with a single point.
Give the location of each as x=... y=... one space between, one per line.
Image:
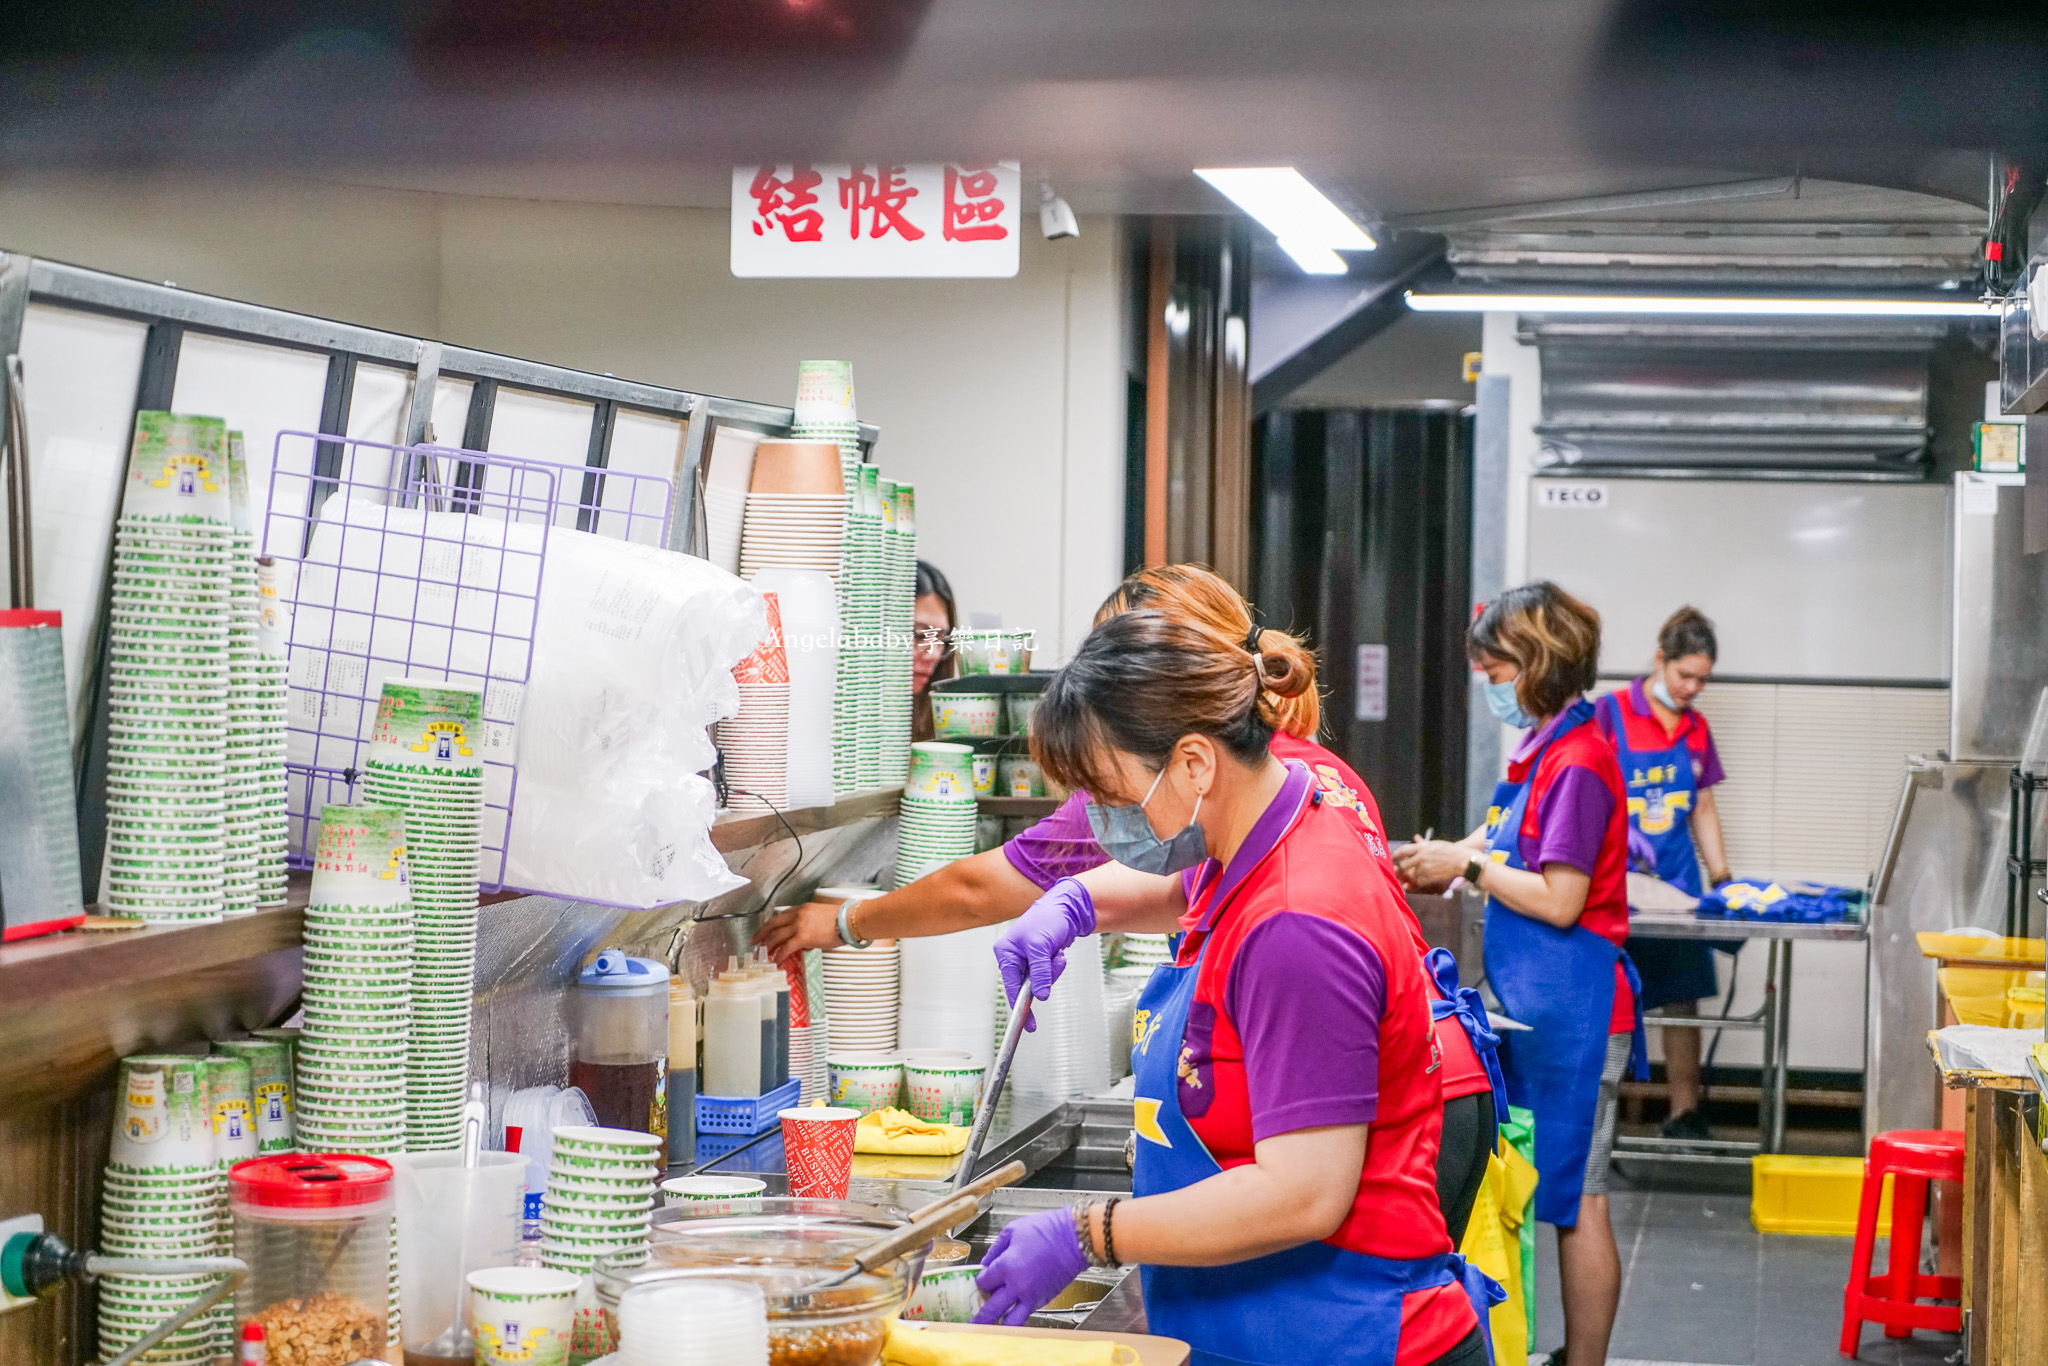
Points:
x=899 y=562
x=350 y=1060
x=754 y=744
x=810 y=641
x=422 y=759
x=730 y=470
x=249 y=759
x=824 y=409
x=273 y=631
x=163 y=1195
x=796 y=509
x=167 y=666
x=865 y=563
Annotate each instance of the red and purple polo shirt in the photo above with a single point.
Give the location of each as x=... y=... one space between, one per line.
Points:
x=1578 y=815
x=1311 y=1009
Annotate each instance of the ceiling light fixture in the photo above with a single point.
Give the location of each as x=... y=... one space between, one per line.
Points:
x=1310 y=228
x=1701 y=304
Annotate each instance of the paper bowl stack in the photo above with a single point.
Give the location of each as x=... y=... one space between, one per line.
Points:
x=937 y=819
x=163 y=1195
x=600 y=1198
x=167 y=675
x=358 y=986
x=861 y=991
x=424 y=759
x=754 y=744
x=1144 y=951
x=796 y=508
x=899 y=564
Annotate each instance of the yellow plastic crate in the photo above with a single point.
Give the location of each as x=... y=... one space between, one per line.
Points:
x=1814 y=1195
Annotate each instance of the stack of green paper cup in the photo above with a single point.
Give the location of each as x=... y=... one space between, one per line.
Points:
x=880 y=496
x=423 y=758
x=824 y=410
x=599 y=1204
x=163 y=1195
x=937 y=816
x=900 y=566
x=248 y=756
x=167 y=670
x=350 y=1081
x=273 y=637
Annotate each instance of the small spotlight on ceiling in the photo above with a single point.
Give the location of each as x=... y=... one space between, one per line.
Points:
x=1310 y=228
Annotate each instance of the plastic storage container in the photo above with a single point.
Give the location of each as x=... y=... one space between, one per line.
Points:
x=620 y=1058
x=316 y=1233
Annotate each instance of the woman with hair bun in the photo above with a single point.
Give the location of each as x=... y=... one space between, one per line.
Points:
x=1001 y=884
x=1287 y=1099
x=1553 y=861
x=1670 y=767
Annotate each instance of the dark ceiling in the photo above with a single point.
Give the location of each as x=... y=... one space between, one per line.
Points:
x=1404 y=106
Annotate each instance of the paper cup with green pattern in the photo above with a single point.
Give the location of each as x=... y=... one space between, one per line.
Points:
x=520 y=1315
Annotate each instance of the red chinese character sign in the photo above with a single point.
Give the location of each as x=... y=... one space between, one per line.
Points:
x=834 y=220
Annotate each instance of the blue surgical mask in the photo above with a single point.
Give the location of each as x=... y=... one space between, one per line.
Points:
x=1126 y=836
x=1662 y=693
x=1502 y=702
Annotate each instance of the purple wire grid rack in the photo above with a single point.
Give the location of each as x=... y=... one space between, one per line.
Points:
x=421 y=562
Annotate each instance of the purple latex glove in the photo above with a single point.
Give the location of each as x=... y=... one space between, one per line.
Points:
x=1033 y=947
x=1033 y=1260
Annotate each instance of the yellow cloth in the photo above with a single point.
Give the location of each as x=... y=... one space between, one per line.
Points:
x=910 y=1345
x=902 y=1134
x=1493 y=1243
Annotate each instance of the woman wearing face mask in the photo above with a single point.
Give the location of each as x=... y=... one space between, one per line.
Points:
x=1670 y=768
x=1553 y=861
x=1001 y=884
x=1287 y=1104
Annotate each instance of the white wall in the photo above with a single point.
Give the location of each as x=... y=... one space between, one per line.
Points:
x=1002 y=400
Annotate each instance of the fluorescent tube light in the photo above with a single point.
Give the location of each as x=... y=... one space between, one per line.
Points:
x=1308 y=225
x=1696 y=304
x=1314 y=258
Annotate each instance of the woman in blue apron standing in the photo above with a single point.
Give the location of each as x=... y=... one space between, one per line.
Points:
x=1288 y=1102
x=1553 y=861
x=1670 y=768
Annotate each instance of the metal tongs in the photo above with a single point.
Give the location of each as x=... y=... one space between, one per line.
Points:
x=985 y=1111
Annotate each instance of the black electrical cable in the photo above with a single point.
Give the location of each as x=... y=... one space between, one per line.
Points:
x=727 y=792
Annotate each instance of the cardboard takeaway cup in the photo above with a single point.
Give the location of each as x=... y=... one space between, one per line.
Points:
x=806 y=467
x=817 y=1141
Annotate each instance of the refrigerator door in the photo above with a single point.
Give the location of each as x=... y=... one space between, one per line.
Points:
x=1998 y=668
x=1943 y=867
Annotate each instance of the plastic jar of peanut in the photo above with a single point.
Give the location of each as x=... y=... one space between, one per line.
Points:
x=316 y=1233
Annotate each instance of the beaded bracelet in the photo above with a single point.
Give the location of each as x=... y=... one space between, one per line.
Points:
x=1109 y=1230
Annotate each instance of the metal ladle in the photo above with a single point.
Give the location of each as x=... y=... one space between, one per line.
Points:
x=455 y=1342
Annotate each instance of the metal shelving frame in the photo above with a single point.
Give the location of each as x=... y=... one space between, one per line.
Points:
x=171 y=313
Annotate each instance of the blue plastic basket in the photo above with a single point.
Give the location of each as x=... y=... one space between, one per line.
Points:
x=712 y=1147
x=746 y=1114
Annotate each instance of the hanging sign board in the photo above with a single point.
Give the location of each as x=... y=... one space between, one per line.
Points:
x=822 y=220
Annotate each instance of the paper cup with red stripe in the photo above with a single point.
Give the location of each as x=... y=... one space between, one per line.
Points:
x=817 y=1143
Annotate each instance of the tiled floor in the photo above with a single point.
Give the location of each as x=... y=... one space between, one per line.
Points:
x=1700 y=1285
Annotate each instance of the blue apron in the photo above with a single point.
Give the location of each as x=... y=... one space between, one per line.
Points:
x=1465 y=1003
x=1313 y=1303
x=1560 y=983
x=1662 y=795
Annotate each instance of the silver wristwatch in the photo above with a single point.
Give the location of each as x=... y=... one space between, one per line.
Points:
x=845 y=924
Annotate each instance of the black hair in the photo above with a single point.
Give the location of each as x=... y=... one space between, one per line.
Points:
x=1688 y=632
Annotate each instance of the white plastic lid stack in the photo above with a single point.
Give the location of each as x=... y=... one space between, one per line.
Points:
x=948 y=991
x=693 y=1323
x=1068 y=1054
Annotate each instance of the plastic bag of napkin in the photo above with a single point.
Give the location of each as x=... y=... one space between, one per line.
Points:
x=902 y=1134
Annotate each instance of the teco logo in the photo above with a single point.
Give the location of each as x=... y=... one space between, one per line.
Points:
x=1573 y=495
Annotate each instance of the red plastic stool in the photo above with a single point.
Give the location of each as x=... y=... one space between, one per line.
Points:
x=1912 y=1158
